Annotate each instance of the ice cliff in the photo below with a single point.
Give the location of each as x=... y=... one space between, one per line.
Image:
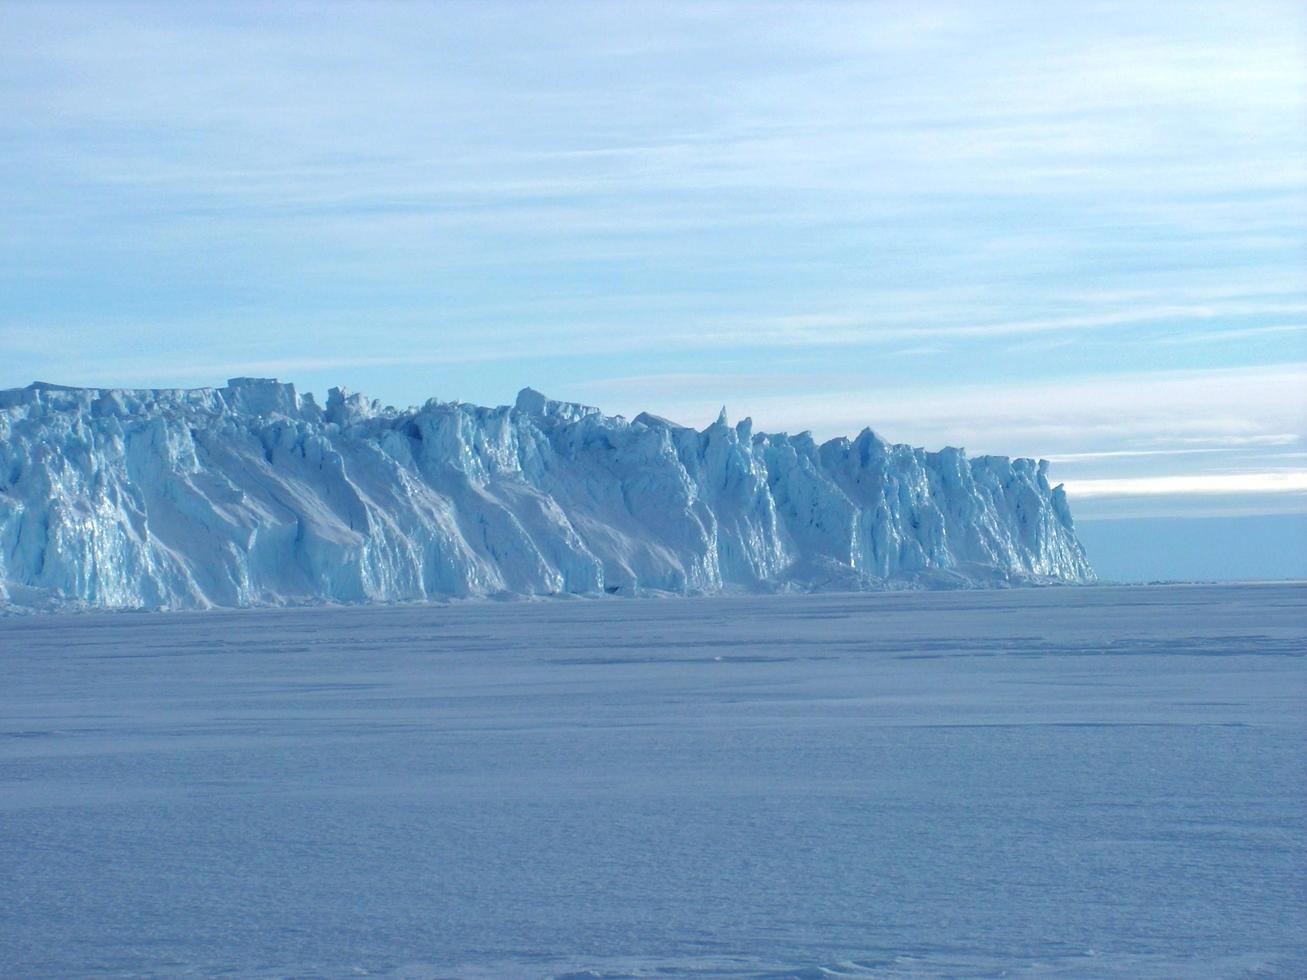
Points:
x=255 y=494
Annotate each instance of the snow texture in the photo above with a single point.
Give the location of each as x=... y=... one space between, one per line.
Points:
x=1072 y=783
x=253 y=494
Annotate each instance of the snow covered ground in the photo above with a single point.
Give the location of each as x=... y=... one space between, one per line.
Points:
x=1052 y=782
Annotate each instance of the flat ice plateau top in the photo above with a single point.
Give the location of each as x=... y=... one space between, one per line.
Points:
x=253 y=494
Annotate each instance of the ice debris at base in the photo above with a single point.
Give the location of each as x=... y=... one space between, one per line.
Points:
x=254 y=494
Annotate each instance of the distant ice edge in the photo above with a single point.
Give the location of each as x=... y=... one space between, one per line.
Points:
x=253 y=494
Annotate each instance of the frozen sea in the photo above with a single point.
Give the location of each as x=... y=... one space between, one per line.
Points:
x=1068 y=782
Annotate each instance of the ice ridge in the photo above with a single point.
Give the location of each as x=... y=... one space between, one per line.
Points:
x=253 y=494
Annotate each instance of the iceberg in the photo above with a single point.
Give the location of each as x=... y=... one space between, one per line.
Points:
x=254 y=494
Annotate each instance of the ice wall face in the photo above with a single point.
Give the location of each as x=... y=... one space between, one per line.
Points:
x=254 y=494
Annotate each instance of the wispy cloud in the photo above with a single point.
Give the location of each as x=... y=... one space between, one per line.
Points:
x=1240 y=333
x=828 y=329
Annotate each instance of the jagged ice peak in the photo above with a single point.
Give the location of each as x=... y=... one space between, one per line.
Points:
x=253 y=494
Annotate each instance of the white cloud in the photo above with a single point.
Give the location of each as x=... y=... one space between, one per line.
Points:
x=1198 y=483
x=1230 y=445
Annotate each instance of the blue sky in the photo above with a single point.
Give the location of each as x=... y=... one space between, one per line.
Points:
x=1074 y=230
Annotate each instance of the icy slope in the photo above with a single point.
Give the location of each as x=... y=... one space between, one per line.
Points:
x=254 y=494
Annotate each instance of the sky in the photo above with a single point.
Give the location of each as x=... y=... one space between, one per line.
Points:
x=1069 y=230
